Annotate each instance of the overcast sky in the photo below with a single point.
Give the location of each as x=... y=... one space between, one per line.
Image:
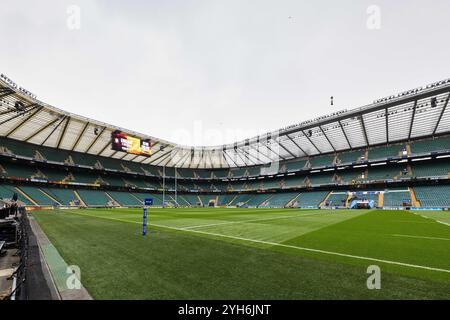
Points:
x=212 y=72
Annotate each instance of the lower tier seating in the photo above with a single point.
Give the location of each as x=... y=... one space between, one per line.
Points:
x=433 y=197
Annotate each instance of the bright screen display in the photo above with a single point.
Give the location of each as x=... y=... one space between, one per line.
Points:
x=129 y=144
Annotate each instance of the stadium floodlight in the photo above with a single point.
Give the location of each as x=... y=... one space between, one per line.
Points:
x=19 y=106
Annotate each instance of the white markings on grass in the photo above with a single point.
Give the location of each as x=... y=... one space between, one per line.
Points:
x=280 y=245
x=245 y=221
x=430 y=218
x=420 y=237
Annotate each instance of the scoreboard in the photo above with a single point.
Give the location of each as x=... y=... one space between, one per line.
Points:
x=125 y=143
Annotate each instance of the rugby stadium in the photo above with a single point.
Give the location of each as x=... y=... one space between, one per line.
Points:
x=299 y=213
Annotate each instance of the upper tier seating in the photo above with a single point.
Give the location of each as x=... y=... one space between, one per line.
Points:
x=433 y=197
x=321 y=161
x=294 y=182
x=384 y=152
x=318 y=179
x=426 y=146
x=349 y=156
x=205 y=174
x=384 y=172
x=347 y=177
x=295 y=165
x=440 y=168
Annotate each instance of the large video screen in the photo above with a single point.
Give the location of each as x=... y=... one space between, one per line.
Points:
x=125 y=143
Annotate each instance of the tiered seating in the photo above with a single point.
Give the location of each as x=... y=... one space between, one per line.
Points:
x=280 y=200
x=385 y=152
x=83 y=159
x=190 y=199
x=112 y=164
x=320 y=179
x=254 y=171
x=221 y=173
x=311 y=198
x=239 y=172
x=258 y=200
x=337 y=198
x=349 y=176
x=38 y=197
x=431 y=169
x=426 y=146
x=94 y=198
x=205 y=174
x=83 y=177
x=295 y=166
x=54 y=154
x=63 y=196
x=225 y=200
x=349 y=156
x=125 y=198
x=185 y=173
x=206 y=198
x=242 y=198
x=321 y=161
x=433 y=197
x=271 y=184
x=18 y=171
x=294 y=182
x=7 y=192
x=16 y=147
x=395 y=197
x=383 y=172
x=157 y=199
x=54 y=174
x=253 y=185
x=114 y=181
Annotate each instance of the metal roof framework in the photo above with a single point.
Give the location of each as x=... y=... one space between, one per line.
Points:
x=418 y=115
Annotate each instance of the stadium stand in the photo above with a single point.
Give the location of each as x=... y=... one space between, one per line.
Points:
x=433 y=197
x=311 y=198
x=431 y=145
x=78 y=171
x=280 y=200
x=337 y=199
x=258 y=200
x=396 y=197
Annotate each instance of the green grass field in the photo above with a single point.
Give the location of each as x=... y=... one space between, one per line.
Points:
x=254 y=253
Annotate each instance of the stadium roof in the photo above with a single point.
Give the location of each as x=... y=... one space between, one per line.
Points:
x=422 y=112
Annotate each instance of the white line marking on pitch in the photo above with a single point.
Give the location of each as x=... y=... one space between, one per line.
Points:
x=281 y=245
x=251 y=220
x=420 y=237
x=441 y=222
